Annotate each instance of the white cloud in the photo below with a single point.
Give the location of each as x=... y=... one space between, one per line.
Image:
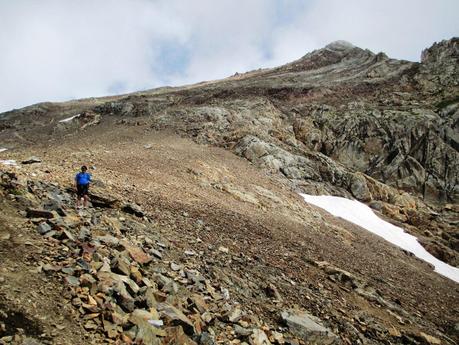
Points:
x=55 y=50
x=399 y=28
x=62 y=49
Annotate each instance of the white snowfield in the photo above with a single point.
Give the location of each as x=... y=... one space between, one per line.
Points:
x=8 y=162
x=360 y=214
x=68 y=119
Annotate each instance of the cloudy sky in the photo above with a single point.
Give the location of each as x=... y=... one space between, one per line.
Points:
x=53 y=50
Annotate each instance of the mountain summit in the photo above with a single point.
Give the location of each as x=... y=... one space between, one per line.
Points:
x=197 y=232
x=340 y=45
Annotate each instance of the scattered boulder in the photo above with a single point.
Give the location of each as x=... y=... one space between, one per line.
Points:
x=233 y=315
x=43 y=228
x=176 y=336
x=101 y=200
x=31 y=160
x=206 y=339
x=146 y=332
x=136 y=253
x=259 y=337
x=272 y=292
x=54 y=205
x=37 y=213
x=359 y=188
x=174 y=317
x=307 y=327
x=428 y=339
x=134 y=209
x=72 y=281
x=241 y=331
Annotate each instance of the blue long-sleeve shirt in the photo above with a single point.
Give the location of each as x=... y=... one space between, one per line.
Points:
x=83 y=178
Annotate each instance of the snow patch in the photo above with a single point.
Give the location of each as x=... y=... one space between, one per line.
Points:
x=70 y=118
x=361 y=215
x=8 y=162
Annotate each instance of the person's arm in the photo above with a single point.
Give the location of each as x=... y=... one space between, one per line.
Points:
x=76 y=181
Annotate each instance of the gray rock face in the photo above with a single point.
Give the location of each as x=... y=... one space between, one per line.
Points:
x=444 y=52
x=308 y=328
x=409 y=150
x=309 y=166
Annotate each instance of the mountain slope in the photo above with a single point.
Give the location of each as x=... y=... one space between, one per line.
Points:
x=340 y=121
x=250 y=234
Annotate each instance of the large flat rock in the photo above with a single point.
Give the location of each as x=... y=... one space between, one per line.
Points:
x=308 y=327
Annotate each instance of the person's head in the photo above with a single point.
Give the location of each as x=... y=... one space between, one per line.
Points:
x=84 y=168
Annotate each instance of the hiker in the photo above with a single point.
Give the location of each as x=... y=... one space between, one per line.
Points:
x=82 y=180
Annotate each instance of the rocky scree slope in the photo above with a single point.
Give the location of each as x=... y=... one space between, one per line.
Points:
x=168 y=273
x=341 y=120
